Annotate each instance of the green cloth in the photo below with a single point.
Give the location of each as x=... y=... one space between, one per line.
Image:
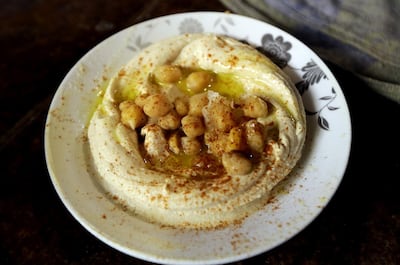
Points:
x=361 y=36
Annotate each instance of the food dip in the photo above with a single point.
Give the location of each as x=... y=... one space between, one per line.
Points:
x=196 y=130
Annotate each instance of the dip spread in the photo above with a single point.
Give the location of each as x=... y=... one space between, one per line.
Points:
x=196 y=130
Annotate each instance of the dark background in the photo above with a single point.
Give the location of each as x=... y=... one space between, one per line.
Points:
x=41 y=40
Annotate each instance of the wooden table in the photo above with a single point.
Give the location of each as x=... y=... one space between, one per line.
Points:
x=41 y=40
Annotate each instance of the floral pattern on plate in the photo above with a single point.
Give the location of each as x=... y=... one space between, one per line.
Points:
x=190 y=25
x=313 y=75
x=276 y=49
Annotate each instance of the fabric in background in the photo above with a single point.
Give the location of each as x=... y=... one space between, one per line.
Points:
x=361 y=36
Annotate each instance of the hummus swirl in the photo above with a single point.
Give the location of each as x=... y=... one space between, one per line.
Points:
x=176 y=165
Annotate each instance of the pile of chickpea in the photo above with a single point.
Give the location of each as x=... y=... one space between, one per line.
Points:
x=202 y=121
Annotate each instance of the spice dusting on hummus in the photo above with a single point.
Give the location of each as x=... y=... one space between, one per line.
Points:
x=196 y=130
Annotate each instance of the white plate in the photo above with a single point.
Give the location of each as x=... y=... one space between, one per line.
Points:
x=297 y=201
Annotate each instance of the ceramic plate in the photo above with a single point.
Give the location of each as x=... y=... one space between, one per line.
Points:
x=298 y=200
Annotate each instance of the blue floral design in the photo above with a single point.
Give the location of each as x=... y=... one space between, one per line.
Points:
x=276 y=49
x=190 y=25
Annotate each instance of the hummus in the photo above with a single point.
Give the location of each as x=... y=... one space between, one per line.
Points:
x=196 y=130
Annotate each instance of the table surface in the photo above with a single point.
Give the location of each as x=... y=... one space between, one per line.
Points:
x=41 y=40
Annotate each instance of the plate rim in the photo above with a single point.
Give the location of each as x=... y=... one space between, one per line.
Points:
x=147 y=256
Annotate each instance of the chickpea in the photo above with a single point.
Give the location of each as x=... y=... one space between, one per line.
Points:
x=236 y=164
x=196 y=104
x=125 y=104
x=170 y=121
x=155 y=143
x=174 y=143
x=141 y=100
x=132 y=115
x=190 y=146
x=167 y=74
x=181 y=106
x=222 y=115
x=198 y=81
x=255 y=135
x=157 y=105
x=254 y=107
x=192 y=126
x=235 y=140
